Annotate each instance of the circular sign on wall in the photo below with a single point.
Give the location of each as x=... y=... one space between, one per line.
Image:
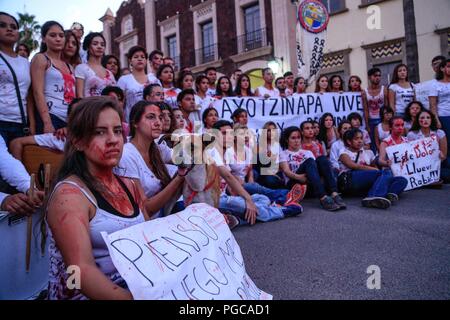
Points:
x=313 y=16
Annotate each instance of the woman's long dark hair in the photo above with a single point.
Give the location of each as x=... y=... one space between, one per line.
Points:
x=75 y=60
x=286 y=134
x=330 y=82
x=219 y=91
x=206 y=112
x=395 y=78
x=88 y=40
x=157 y=165
x=81 y=129
x=238 y=90
x=44 y=30
x=407 y=116
x=318 y=84
x=105 y=60
x=323 y=131
x=433 y=126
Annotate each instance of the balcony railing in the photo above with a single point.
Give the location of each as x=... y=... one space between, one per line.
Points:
x=252 y=40
x=205 y=55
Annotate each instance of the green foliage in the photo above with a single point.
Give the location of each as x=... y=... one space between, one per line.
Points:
x=29 y=30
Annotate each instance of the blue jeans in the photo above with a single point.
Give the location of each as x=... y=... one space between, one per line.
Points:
x=272 y=181
x=445 y=121
x=56 y=122
x=314 y=169
x=372 y=126
x=376 y=183
x=10 y=131
x=237 y=207
x=278 y=195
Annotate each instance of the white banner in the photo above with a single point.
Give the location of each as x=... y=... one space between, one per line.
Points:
x=187 y=256
x=292 y=111
x=312 y=22
x=418 y=161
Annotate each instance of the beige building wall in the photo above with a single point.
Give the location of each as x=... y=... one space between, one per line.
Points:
x=430 y=16
x=349 y=30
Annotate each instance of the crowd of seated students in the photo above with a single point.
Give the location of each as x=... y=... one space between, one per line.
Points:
x=120 y=129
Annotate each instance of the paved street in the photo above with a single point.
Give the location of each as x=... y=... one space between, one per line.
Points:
x=323 y=255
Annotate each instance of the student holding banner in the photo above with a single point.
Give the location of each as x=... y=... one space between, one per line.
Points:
x=336 y=84
x=224 y=88
x=299 y=86
x=16 y=102
x=396 y=136
x=290 y=86
x=322 y=85
x=280 y=84
x=243 y=87
x=359 y=175
x=426 y=126
x=267 y=90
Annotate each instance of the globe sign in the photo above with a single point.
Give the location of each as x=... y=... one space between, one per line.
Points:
x=313 y=16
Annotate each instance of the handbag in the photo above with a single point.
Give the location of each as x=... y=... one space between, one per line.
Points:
x=26 y=127
x=345 y=178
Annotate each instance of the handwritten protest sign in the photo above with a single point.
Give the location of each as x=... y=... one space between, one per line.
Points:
x=417 y=161
x=292 y=111
x=187 y=256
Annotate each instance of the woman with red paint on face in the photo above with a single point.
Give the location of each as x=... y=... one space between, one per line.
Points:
x=397 y=130
x=88 y=199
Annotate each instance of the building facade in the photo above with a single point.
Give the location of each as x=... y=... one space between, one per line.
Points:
x=247 y=34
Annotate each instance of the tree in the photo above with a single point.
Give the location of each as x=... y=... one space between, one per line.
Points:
x=29 y=30
x=412 y=53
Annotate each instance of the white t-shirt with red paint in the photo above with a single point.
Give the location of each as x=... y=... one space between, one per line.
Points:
x=93 y=84
x=295 y=159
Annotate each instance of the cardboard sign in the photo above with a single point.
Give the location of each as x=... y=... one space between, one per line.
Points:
x=187 y=256
x=418 y=161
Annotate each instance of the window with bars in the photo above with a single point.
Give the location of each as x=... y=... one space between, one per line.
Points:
x=207 y=41
x=172 y=46
x=253 y=31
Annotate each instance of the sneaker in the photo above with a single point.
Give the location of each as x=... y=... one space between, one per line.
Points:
x=296 y=194
x=328 y=204
x=231 y=220
x=292 y=210
x=392 y=197
x=340 y=202
x=376 y=202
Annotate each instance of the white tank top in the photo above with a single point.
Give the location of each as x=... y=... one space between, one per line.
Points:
x=375 y=103
x=59 y=90
x=103 y=221
x=381 y=133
